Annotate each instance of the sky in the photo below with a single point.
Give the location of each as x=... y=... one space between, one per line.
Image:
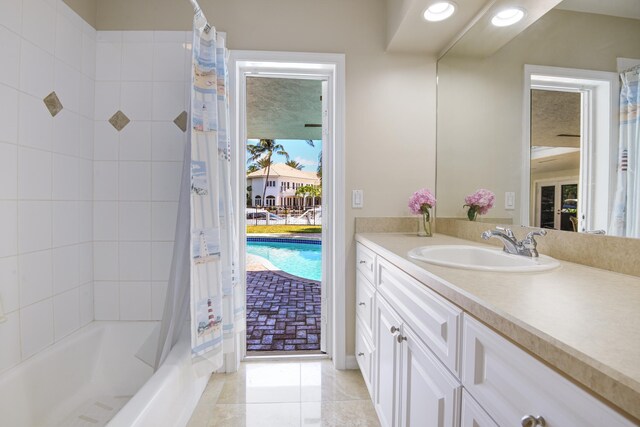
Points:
x=299 y=151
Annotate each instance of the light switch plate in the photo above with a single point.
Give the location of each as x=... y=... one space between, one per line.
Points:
x=357 y=199
x=510 y=200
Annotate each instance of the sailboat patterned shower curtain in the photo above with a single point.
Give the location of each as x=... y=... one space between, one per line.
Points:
x=216 y=302
x=625 y=216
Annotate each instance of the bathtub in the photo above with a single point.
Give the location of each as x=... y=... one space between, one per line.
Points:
x=93 y=376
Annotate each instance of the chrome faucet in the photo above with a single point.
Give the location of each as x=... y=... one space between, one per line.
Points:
x=526 y=247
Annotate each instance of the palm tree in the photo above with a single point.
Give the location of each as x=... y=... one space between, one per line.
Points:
x=263 y=151
x=312 y=191
x=294 y=164
x=252 y=168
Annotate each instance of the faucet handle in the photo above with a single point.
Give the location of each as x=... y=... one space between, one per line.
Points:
x=541 y=232
x=506 y=231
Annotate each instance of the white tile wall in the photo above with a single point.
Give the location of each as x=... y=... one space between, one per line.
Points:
x=8 y=171
x=66 y=313
x=9 y=97
x=107 y=300
x=11 y=14
x=137 y=170
x=36 y=327
x=93 y=208
x=10 y=339
x=9 y=286
x=46 y=175
x=35 y=277
x=10 y=54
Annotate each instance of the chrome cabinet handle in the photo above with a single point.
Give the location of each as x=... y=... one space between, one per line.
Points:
x=401 y=338
x=394 y=329
x=361 y=303
x=533 y=421
x=361 y=354
x=363 y=261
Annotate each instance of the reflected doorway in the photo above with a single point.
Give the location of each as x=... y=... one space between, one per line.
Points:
x=557 y=205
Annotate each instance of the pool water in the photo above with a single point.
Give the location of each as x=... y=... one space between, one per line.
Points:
x=300 y=259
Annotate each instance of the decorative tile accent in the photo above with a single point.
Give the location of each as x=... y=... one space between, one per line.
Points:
x=53 y=104
x=119 y=120
x=181 y=121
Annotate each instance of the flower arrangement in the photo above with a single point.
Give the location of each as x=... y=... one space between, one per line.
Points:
x=420 y=203
x=479 y=203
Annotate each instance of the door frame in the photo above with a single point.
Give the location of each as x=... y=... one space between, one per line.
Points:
x=300 y=65
x=600 y=91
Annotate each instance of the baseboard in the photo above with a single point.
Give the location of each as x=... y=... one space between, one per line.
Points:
x=351 y=362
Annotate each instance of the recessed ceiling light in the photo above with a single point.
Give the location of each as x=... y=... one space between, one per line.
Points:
x=439 y=11
x=507 y=17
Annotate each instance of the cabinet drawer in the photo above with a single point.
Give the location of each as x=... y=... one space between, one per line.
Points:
x=435 y=320
x=364 y=356
x=473 y=415
x=509 y=384
x=364 y=303
x=366 y=261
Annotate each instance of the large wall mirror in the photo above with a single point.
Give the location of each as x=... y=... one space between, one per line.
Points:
x=537 y=115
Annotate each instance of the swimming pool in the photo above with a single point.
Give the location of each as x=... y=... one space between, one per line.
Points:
x=302 y=258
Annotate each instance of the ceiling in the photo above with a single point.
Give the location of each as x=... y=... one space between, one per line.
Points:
x=554 y=116
x=470 y=30
x=569 y=162
x=280 y=108
x=619 y=8
x=407 y=31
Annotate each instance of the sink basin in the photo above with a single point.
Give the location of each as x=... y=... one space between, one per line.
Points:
x=480 y=258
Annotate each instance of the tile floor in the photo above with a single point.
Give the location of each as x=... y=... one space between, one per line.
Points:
x=283 y=312
x=283 y=394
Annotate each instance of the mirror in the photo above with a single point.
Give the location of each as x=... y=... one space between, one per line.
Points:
x=530 y=117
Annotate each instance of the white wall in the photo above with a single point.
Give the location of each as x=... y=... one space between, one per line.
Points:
x=46 y=175
x=137 y=170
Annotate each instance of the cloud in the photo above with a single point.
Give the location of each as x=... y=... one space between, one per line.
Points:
x=307 y=162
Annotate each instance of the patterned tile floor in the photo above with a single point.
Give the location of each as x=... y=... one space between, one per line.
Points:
x=283 y=312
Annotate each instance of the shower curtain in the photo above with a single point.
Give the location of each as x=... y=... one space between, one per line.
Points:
x=625 y=216
x=202 y=292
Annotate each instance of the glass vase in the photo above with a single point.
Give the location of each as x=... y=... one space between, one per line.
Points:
x=424 y=228
x=472 y=214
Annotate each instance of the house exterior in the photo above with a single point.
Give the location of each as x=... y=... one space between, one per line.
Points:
x=281 y=186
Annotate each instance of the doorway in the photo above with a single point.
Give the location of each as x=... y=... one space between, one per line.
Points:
x=328 y=70
x=557 y=204
x=569 y=139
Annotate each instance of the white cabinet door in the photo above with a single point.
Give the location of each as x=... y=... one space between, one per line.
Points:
x=510 y=384
x=473 y=415
x=430 y=395
x=387 y=357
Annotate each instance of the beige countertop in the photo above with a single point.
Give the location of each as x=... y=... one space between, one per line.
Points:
x=582 y=321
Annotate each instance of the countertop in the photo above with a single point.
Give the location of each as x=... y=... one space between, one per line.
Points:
x=582 y=321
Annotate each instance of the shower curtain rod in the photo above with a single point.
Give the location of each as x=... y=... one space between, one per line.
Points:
x=196 y=11
x=196 y=6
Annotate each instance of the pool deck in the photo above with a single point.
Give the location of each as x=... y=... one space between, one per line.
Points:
x=283 y=311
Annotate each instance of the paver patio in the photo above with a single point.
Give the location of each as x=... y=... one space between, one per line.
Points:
x=283 y=312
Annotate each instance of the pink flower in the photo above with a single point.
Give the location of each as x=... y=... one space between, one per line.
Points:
x=421 y=200
x=482 y=200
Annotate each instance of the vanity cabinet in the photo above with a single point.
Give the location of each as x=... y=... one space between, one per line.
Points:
x=412 y=388
x=510 y=385
x=473 y=415
x=426 y=363
x=365 y=304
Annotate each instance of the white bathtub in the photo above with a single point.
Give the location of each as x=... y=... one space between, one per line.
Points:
x=86 y=378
